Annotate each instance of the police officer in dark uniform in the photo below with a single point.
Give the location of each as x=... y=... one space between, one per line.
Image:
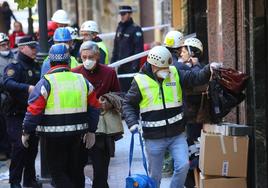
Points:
x=128 y=41
x=19 y=79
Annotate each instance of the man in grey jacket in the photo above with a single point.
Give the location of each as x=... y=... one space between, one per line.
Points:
x=156 y=94
x=6 y=56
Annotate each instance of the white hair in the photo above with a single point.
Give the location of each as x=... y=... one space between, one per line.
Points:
x=90 y=45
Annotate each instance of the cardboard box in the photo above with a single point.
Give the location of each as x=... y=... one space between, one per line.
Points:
x=223 y=155
x=222 y=182
x=228 y=129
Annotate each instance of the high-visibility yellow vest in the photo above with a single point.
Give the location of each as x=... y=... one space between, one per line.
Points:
x=152 y=98
x=102 y=46
x=68 y=93
x=67 y=98
x=74 y=62
x=151 y=94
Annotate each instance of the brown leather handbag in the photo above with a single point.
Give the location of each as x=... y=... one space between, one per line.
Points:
x=203 y=114
x=233 y=80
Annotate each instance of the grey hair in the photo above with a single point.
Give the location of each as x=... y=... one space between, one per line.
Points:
x=90 y=45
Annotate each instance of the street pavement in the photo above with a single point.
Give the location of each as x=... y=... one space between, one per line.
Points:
x=118 y=169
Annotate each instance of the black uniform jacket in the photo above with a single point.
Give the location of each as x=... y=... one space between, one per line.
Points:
x=128 y=41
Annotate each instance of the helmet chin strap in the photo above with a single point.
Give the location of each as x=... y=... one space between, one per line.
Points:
x=189 y=51
x=190 y=54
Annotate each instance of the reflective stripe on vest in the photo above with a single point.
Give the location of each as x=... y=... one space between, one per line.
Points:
x=161 y=123
x=151 y=94
x=102 y=46
x=59 y=129
x=68 y=93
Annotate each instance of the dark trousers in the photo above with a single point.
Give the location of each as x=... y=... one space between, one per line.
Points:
x=65 y=161
x=100 y=155
x=193 y=132
x=22 y=159
x=4 y=141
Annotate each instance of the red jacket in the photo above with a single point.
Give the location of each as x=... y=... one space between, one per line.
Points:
x=103 y=78
x=12 y=38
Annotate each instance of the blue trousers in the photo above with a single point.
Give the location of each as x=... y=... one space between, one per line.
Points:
x=178 y=148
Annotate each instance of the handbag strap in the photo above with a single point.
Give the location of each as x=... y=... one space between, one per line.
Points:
x=131 y=153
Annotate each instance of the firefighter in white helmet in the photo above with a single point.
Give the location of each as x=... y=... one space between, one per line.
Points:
x=192 y=52
x=89 y=31
x=173 y=42
x=156 y=95
x=61 y=18
x=173 y=39
x=77 y=41
x=191 y=55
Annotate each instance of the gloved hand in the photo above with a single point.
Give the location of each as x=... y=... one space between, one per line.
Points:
x=30 y=89
x=105 y=105
x=215 y=65
x=135 y=128
x=24 y=139
x=89 y=139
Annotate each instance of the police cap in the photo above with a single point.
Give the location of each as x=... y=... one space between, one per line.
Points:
x=27 y=41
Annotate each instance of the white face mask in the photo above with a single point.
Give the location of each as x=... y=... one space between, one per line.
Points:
x=162 y=74
x=189 y=64
x=5 y=53
x=89 y=64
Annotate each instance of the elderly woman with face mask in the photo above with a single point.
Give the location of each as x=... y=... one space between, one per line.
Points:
x=104 y=80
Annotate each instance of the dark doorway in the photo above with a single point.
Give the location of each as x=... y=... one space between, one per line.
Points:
x=257 y=106
x=197 y=22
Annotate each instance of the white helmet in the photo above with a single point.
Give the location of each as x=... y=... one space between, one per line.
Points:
x=173 y=39
x=159 y=56
x=90 y=25
x=60 y=16
x=73 y=32
x=193 y=42
x=3 y=37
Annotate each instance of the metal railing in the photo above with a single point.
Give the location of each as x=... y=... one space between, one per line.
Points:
x=134 y=57
x=112 y=34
